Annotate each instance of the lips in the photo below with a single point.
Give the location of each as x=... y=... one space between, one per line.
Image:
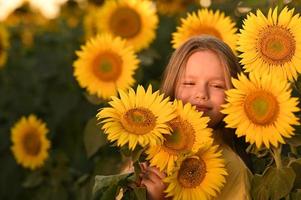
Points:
x=202 y=108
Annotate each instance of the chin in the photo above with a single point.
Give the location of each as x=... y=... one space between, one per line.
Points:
x=214 y=123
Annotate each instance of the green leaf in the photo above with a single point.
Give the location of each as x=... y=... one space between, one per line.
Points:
x=59 y=193
x=295 y=141
x=137 y=153
x=296 y=195
x=134 y=193
x=34 y=179
x=259 y=152
x=82 y=179
x=147 y=56
x=83 y=187
x=282 y=181
x=129 y=195
x=140 y=193
x=110 y=193
x=106 y=186
x=107 y=161
x=296 y=166
x=93 y=99
x=273 y=184
x=252 y=3
x=259 y=190
x=94 y=138
x=125 y=151
x=298 y=85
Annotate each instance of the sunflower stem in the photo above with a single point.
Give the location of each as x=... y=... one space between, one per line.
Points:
x=276 y=153
x=293 y=149
x=137 y=168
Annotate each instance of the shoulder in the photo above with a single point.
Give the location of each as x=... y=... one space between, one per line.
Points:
x=239 y=176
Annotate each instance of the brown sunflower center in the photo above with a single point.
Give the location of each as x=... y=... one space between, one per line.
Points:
x=125 y=22
x=139 y=121
x=181 y=138
x=261 y=107
x=107 y=66
x=31 y=143
x=276 y=44
x=206 y=30
x=192 y=172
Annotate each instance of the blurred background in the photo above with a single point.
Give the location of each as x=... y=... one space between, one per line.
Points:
x=36 y=77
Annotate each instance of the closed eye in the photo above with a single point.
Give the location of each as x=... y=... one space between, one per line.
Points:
x=219 y=86
x=188 y=83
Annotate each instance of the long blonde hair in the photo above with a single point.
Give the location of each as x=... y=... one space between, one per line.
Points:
x=178 y=60
x=176 y=68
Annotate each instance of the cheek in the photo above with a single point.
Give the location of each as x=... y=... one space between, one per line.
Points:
x=182 y=94
x=219 y=99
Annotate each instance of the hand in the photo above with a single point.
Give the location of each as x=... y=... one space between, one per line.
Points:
x=152 y=178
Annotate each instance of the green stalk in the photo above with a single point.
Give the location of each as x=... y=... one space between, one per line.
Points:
x=137 y=168
x=293 y=149
x=276 y=153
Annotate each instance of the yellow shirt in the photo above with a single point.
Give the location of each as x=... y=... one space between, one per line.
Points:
x=237 y=186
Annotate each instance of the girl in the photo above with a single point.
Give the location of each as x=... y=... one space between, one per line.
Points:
x=199 y=72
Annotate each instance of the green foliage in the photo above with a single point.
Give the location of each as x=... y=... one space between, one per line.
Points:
x=296 y=195
x=105 y=187
x=94 y=138
x=296 y=166
x=108 y=187
x=274 y=184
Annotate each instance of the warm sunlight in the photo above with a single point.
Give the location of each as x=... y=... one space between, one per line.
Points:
x=8 y=6
x=49 y=8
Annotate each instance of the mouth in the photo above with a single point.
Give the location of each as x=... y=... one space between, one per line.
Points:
x=202 y=108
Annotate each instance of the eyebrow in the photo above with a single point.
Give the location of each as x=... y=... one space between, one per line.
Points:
x=213 y=78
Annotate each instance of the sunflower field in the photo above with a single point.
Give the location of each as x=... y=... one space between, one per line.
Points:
x=80 y=106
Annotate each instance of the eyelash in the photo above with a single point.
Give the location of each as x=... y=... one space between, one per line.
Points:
x=188 y=83
x=214 y=85
x=218 y=86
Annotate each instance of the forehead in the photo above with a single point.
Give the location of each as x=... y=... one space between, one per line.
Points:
x=204 y=64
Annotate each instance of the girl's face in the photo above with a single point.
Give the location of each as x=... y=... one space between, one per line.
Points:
x=203 y=84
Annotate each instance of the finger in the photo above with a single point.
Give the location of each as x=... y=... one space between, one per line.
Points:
x=143 y=166
x=149 y=184
x=156 y=171
x=154 y=189
x=153 y=177
x=139 y=179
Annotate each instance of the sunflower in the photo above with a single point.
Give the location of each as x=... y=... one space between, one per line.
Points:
x=170 y=7
x=271 y=44
x=90 y=22
x=189 y=132
x=137 y=118
x=200 y=176
x=104 y=65
x=206 y=22
x=4 y=44
x=30 y=144
x=133 y=20
x=264 y=107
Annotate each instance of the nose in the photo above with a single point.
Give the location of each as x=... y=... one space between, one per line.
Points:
x=201 y=94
